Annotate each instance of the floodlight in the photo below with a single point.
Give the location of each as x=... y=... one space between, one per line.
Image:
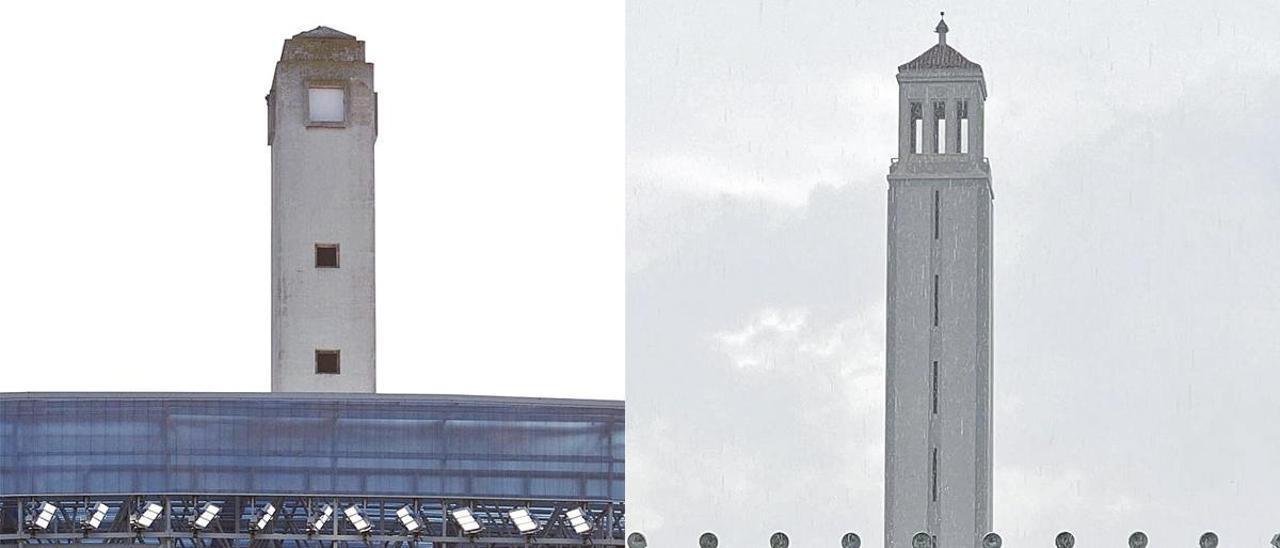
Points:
x=146 y=516
x=408 y=520
x=44 y=517
x=466 y=520
x=357 y=520
x=579 y=520
x=209 y=512
x=992 y=540
x=317 y=521
x=95 y=519
x=263 y=517
x=779 y=540
x=1064 y=540
x=524 y=521
x=708 y=540
x=637 y=540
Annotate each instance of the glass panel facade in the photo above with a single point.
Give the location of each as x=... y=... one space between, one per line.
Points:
x=318 y=444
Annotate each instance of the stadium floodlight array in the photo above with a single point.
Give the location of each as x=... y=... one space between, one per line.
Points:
x=357 y=520
x=579 y=520
x=44 y=517
x=317 y=521
x=209 y=512
x=524 y=521
x=146 y=516
x=95 y=519
x=466 y=520
x=263 y=517
x=408 y=520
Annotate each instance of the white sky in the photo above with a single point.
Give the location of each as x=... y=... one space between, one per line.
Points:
x=135 y=194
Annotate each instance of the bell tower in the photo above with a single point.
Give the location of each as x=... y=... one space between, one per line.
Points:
x=938 y=348
x=321 y=126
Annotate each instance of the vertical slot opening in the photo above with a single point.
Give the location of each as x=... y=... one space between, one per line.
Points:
x=940 y=125
x=917 y=128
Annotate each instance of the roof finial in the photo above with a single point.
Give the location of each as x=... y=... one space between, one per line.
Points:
x=942 y=28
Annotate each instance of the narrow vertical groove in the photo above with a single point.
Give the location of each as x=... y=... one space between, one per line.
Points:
x=935 y=387
x=935 y=300
x=933 y=476
x=937 y=208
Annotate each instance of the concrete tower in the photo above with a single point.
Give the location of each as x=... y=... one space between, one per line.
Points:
x=938 y=377
x=321 y=126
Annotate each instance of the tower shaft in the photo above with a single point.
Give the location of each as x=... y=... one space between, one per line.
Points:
x=938 y=440
x=321 y=129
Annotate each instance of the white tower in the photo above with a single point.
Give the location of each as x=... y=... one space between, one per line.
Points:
x=321 y=126
x=938 y=377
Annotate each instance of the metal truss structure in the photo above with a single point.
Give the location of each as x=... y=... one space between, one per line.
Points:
x=291 y=521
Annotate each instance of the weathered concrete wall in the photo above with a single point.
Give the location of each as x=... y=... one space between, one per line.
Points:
x=322 y=191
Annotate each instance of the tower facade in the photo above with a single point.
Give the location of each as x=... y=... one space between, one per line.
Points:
x=321 y=126
x=938 y=370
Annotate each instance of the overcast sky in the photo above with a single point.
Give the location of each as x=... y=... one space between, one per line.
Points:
x=135 y=194
x=1133 y=147
x=1137 y=309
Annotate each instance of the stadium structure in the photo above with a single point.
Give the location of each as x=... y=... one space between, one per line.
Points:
x=322 y=460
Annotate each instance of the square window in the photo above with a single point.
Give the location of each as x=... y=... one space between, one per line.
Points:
x=328 y=362
x=327 y=105
x=326 y=255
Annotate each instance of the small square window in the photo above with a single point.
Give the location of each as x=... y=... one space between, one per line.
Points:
x=326 y=255
x=328 y=362
x=327 y=105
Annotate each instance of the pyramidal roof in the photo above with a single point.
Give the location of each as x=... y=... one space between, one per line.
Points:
x=940 y=56
x=325 y=32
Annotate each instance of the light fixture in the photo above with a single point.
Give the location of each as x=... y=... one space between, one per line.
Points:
x=779 y=540
x=408 y=520
x=579 y=521
x=466 y=520
x=524 y=521
x=636 y=540
x=209 y=512
x=44 y=517
x=1064 y=540
x=357 y=520
x=146 y=516
x=1138 y=540
x=317 y=521
x=95 y=519
x=708 y=540
x=263 y=517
